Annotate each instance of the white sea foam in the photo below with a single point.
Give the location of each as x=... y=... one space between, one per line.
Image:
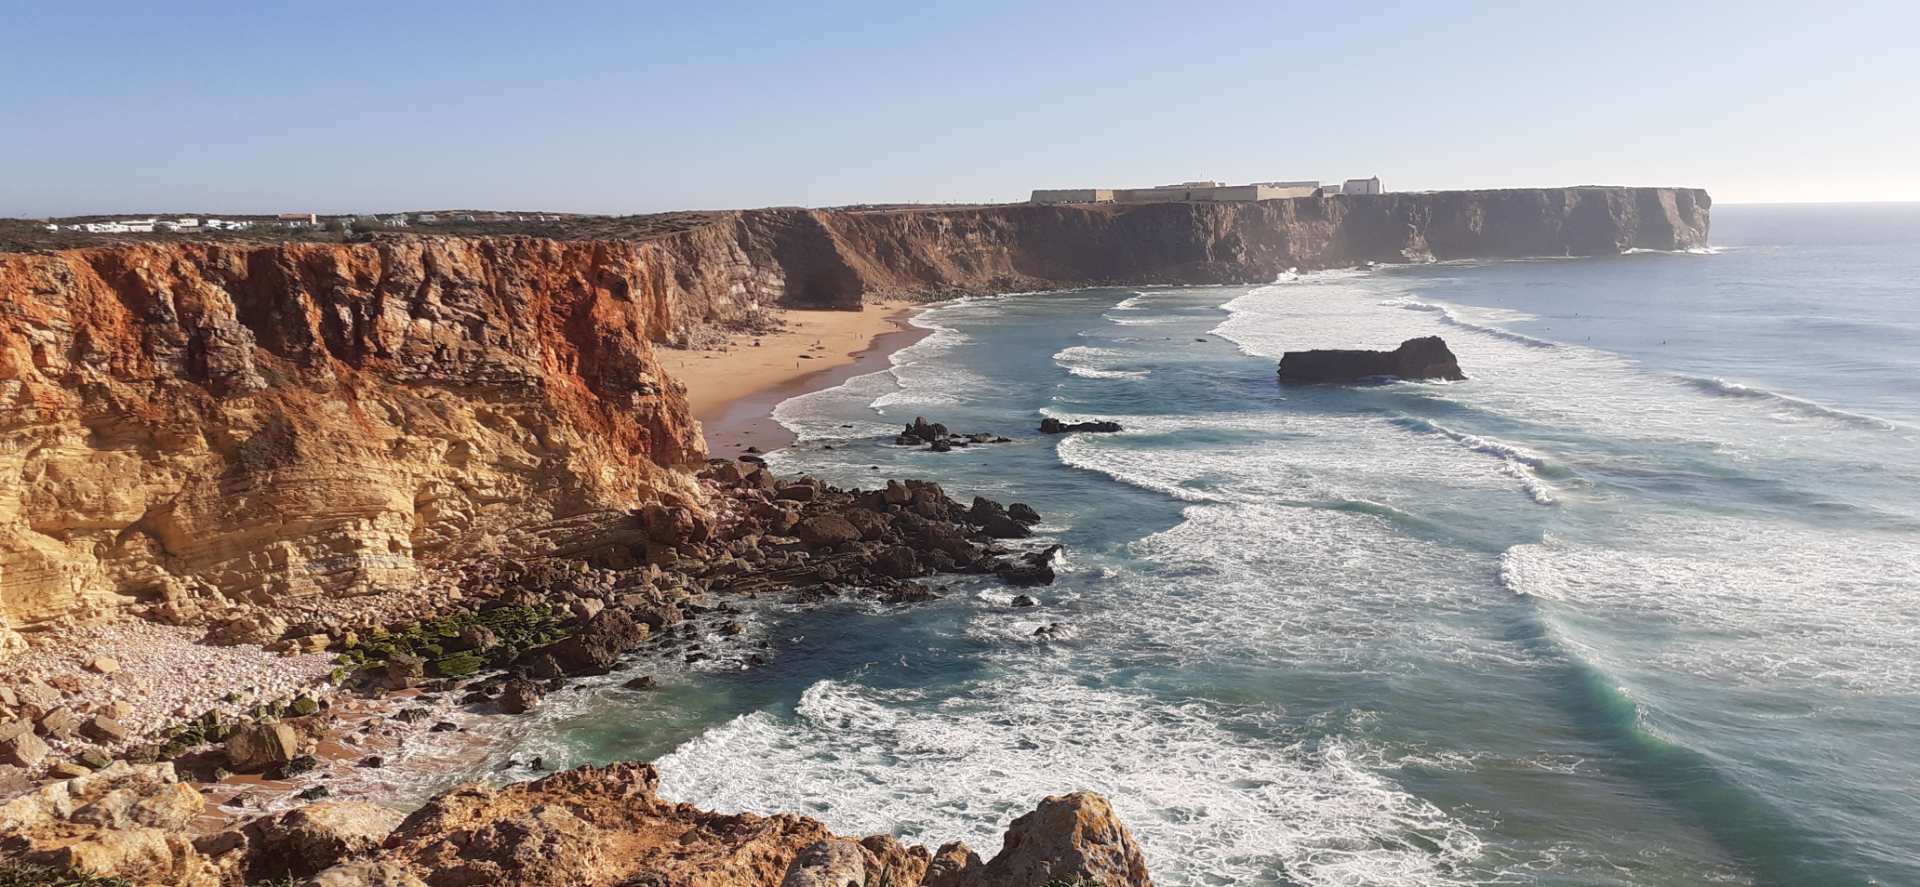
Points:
x=1090 y=362
x=1451 y=316
x=1736 y=600
x=1516 y=378
x=1719 y=387
x=1302 y=458
x=1150 y=320
x=1208 y=805
x=1518 y=462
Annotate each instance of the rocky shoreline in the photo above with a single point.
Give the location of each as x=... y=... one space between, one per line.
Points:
x=489 y=636
x=600 y=826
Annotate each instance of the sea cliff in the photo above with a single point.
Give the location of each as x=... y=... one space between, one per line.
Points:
x=190 y=427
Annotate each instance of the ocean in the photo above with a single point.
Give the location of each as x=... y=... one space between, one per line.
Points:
x=1637 y=603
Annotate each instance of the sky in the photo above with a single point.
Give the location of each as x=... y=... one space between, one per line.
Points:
x=636 y=107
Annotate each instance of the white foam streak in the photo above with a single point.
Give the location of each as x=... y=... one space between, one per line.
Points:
x=1739 y=601
x=1719 y=387
x=1207 y=805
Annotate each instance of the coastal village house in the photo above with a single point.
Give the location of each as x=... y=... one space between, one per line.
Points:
x=1205 y=191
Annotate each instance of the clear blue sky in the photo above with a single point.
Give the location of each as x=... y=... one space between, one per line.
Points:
x=631 y=107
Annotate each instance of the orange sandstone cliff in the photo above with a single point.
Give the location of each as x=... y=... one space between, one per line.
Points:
x=199 y=424
x=269 y=421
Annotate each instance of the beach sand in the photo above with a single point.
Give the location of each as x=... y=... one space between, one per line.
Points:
x=733 y=390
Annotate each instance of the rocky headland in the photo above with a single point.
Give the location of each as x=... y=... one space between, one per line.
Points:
x=247 y=484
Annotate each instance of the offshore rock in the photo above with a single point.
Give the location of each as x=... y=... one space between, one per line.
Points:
x=1423 y=358
x=1055 y=426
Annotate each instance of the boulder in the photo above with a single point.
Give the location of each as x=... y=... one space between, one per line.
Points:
x=36 y=699
x=59 y=723
x=1423 y=358
x=518 y=696
x=366 y=873
x=402 y=671
x=130 y=853
x=599 y=644
x=835 y=862
x=952 y=866
x=827 y=529
x=256 y=748
x=253 y=628
x=23 y=750
x=924 y=430
x=475 y=637
x=101 y=728
x=1055 y=426
x=1003 y=526
x=897 y=562
x=1069 y=839
x=1032 y=568
x=314 y=838
x=1023 y=513
x=871 y=525
x=171 y=806
x=896 y=493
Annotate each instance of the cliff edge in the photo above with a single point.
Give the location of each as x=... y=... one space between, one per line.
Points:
x=198 y=426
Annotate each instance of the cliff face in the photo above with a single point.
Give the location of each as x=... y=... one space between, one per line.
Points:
x=254 y=423
x=279 y=421
x=1032 y=247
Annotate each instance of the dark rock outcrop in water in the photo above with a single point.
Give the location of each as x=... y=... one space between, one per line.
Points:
x=1423 y=358
x=1055 y=426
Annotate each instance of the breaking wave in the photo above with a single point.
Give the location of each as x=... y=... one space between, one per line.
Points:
x=1523 y=465
x=1090 y=362
x=1719 y=387
x=1448 y=316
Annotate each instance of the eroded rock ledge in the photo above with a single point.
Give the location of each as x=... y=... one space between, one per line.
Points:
x=589 y=827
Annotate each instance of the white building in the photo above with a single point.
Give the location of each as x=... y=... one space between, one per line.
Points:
x=1361 y=186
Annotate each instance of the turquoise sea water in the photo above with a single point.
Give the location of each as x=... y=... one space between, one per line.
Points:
x=1638 y=603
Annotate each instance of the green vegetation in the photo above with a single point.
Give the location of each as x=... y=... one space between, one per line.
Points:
x=515 y=628
x=19 y=873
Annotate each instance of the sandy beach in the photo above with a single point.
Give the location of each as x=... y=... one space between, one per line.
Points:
x=734 y=389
